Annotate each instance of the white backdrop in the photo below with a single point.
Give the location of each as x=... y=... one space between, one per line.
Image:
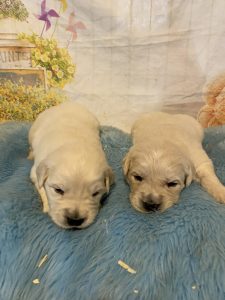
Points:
x=138 y=55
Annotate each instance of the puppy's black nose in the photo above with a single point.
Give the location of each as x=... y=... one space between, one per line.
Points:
x=150 y=206
x=73 y=218
x=75 y=221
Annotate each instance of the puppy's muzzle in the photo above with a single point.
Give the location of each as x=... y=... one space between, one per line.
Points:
x=74 y=219
x=150 y=206
x=151 y=202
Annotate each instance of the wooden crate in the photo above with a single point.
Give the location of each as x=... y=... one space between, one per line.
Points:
x=14 y=53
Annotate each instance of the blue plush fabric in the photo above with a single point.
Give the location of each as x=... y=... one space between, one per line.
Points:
x=179 y=254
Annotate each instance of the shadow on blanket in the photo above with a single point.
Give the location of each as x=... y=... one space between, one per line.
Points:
x=179 y=254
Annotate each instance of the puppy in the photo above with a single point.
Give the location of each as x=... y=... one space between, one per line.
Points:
x=166 y=156
x=70 y=170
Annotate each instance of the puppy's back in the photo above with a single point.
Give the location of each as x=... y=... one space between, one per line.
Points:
x=160 y=125
x=64 y=124
x=57 y=117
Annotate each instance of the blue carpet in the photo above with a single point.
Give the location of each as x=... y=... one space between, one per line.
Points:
x=179 y=254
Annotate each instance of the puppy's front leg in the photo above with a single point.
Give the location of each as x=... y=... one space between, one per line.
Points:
x=205 y=174
x=208 y=179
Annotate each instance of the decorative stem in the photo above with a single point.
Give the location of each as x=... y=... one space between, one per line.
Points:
x=57 y=20
x=69 y=40
x=43 y=30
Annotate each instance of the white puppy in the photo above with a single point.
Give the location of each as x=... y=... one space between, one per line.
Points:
x=166 y=156
x=70 y=170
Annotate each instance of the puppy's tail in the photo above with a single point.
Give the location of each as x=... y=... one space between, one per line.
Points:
x=208 y=179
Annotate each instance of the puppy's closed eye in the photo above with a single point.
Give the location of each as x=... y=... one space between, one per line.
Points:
x=95 y=193
x=172 y=184
x=138 y=177
x=57 y=189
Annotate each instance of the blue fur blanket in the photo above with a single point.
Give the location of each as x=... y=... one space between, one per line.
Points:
x=179 y=254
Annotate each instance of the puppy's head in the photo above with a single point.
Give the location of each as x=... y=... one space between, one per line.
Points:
x=156 y=176
x=74 y=186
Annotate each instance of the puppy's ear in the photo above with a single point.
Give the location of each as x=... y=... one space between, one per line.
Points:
x=126 y=164
x=42 y=173
x=189 y=173
x=109 y=178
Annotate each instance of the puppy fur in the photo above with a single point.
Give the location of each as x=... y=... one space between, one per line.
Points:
x=166 y=156
x=70 y=170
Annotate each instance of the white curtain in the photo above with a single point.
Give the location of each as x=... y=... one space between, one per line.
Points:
x=139 y=55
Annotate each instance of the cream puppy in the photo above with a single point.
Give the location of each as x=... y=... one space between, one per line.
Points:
x=166 y=156
x=70 y=170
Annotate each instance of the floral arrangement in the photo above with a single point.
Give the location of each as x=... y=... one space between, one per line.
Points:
x=20 y=102
x=13 y=9
x=57 y=61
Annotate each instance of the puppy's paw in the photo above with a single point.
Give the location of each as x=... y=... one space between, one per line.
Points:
x=219 y=194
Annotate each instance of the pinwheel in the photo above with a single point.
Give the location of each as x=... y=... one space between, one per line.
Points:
x=46 y=15
x=73 y=26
